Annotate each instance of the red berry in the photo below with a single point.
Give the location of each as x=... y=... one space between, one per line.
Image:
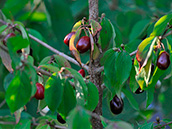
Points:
x=68 y=37
x=116 y=105
x=83 y=44
x=82 y=72
x=163 y=60
x=39 y=91
x=7 y=37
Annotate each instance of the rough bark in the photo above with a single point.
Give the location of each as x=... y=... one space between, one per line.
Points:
x=95 y=77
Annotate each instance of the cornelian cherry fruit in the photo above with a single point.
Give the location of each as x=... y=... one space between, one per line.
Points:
x=83 y=44
x=39 y=91
x=68 y=37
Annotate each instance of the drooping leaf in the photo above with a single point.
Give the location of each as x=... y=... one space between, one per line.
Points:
x=79 y=119
x=17 y=114
x=139 y=29
x=106 y=33
x=132 y=82
x=80 y=86
x=54 y=91
x=76 y=26
x=95 y=27
x=149 y=96
x=131 y=99
x=161 y=24
x=6 y=60
x=117 y=69
x=73 y=49
x=19 y=91
x=68 y=100
x=93 y=97
x=143 y=49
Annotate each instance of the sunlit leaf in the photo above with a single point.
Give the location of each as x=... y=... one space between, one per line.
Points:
x=117 y=69
x=68 y=100
x=54 y=91
x=80 y=86
x=161 y=24
x=19 y=91
x=93 y=97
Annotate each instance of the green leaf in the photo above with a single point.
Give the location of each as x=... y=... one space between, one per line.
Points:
x=17 y=43
x=147 y=126
x=54 y=91
x=79 y=119
x=144 y=47
x=93 y=97
x=43 y=126
x=80 y=86
x=161 y=24
x=23 y=124
x=139 y=29
x=2 y=28
x=8 y=80
x=119 y=125
x=18 y=92
x=106 y=33
x=156 y=75
x=32 y=74
x=61 y=61
x=149 y=96
x=133 y=83
x=50 y=67
x=95 y=27
x=144 y=61
x=68 y=100
x=38 y=51
x=117 y=69
x=131 y=99
x=76 y=26
x=14 y=8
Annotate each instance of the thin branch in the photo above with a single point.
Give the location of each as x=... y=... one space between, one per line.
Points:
x=42 y=71
x=2 y=103
x=133 y=53
x=159 y=127
x=167 y=34
x=7 y=123
x=58 y=52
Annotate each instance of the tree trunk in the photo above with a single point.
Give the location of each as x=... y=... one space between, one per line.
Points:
x=95 y=77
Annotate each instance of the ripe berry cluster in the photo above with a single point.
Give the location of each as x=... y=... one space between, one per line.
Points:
x=83 y=44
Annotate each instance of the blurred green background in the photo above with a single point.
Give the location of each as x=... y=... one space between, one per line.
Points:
x=54 y=19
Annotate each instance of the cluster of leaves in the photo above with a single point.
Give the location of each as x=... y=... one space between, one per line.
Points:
x=66 y=91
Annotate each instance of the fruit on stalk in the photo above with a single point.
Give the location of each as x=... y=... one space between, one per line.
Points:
x=39 y=91
x=83 y=44
x=163 y=60
x=68 y=37
x=82 y=72
x=116 y=105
